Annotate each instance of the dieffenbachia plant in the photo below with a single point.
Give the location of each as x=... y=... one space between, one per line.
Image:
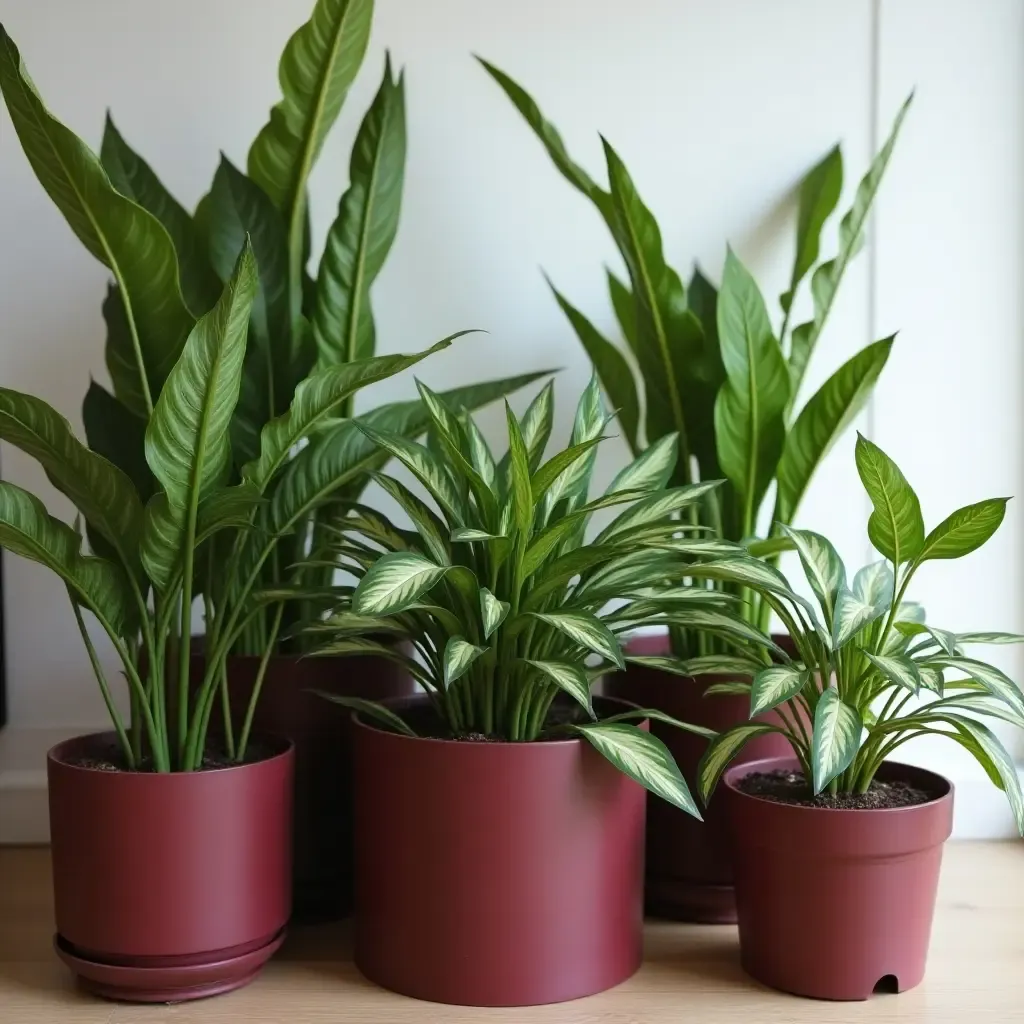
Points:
x=506 y=601
x=852 y=695
x=179 y=503
x=169 y=266
x=709 y=364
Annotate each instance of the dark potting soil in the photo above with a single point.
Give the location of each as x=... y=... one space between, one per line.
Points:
x=212 y=760
x=791 y=788
x=425 y=722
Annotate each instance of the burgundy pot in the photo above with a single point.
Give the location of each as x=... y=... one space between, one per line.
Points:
x=495 y=874
x=322 y=734
x=168 y=886
x=688 y=870
x=833 y=902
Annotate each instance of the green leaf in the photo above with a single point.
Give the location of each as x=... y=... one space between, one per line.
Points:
x=823 y=567
x=837 y=732
x=536 y=424
x=370 y=709
x=749 y=423
x=993 y=757
x=651 y=470
x=989 y=638
x=642 y=758
x=492 y=612
x=317 y=67
x=852 y=613
x=827 y=278
x=992 y=679
x=611 y=366
x=625 y=310
x=896 y=527
x=656 y=508
x=394 y=582
x=670 y=338
x=546 y=132
x=819 y=196
x=519 y=467
x=459 y=654
x=114 y=432
x=654 y=715
x=27 y=530
x=187 y=444
x=428 y=525
x=964 y=531
x=775 y=685
x=733 y=688
x=711 y=664
x=900 y=671
x=360 y=238
x=235 y=209
x=570 y=678
x=873 y=584
x=721 y=750
x=586 y=630
x=98 y=489
x=823 y=420
x=468 y=533
x=136 y=180
x=479 y=453
x=565 y=464
x=316 y=398
x=228 y=508
x=123 y=236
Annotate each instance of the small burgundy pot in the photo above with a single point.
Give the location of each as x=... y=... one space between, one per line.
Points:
x=168 y=886
x=833 y=902
x=495 y=874
x=688 y=871
x=322 y=734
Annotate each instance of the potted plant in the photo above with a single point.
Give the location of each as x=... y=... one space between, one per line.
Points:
x=499 y=827
x=694 y=357
x=170 y=836
x=837 y=847
x=301 y=323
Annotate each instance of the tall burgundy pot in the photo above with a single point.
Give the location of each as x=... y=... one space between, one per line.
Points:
x=832 y=902
x=495 y=874
x=688 y=869
x=322 y=734
x=168 y=886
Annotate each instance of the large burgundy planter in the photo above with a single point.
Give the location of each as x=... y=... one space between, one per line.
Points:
x=495 y=874
x=832 y=902
x=688 y=870
x=168 y=886
x=322 y=734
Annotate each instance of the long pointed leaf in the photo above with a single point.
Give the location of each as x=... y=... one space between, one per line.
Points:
x=837 y=734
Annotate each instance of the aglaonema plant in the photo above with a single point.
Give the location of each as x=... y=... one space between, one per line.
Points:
x=508 y=603
x=168 y=267
x=870 y=673
x=708 y=364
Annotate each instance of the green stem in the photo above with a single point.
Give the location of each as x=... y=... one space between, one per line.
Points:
x=250 y=711
x=115 y=716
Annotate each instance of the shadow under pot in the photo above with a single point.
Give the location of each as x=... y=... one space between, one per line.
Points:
x=688 y=862
x=322 y=886
x=836 y=903
x=491 y=873
x=168 y=886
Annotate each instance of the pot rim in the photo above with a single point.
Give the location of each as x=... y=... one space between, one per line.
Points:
x=734 y=773
x=53 y=756
x=422 y=698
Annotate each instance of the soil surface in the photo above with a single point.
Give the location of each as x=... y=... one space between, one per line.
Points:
x=212 y=760
x=424 y=722
x=791 y=788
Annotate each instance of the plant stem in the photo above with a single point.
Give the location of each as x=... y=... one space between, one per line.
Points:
x=115 y=716
x=250 y=711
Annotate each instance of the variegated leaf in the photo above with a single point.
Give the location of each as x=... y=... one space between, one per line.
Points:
x=899 y=671
x=837 y=734
x=995 y=682
x=852 y=614
x=570 y=678
x=775 y=685
x=459 y=654
x=586 y=630
x=395 y=581
x=823 y=567
x=722 y=750
x=492 y=611
x=651 y=470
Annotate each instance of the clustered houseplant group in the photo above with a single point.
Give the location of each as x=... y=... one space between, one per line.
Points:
x=707 y=365
x=841 y=816
x=498 y=816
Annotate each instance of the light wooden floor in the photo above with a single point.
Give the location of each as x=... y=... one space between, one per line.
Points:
x=691 y=976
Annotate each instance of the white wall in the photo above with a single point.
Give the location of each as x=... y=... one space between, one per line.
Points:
x=717 y=108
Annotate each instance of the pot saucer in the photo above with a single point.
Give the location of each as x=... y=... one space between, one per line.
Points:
x=167 y=984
